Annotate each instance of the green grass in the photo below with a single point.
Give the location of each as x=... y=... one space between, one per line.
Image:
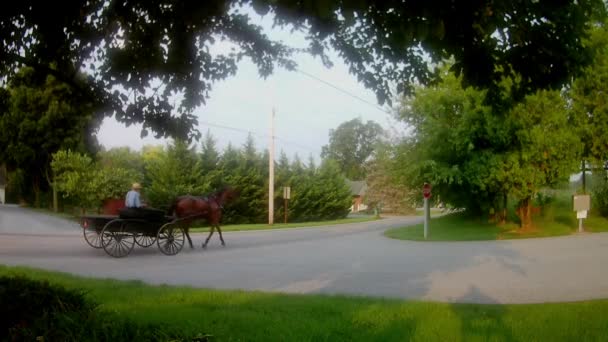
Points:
x=453 y=227
x=555 y=219
x=240 y=227
x=257 y=316
x=434 y=212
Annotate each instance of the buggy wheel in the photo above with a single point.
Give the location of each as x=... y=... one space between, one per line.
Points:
x=144 y=240
x=170 y=239
x=115 y=240
x=91 y=235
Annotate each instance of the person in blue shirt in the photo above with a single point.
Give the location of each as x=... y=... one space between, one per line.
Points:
x=133 y=199
x=136 y=208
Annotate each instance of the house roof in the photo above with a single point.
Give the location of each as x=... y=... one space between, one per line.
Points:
x=357 y=188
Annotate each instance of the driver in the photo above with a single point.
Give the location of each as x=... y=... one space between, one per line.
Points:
x=133 y=199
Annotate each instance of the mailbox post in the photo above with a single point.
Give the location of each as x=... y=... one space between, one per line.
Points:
x=581 y=204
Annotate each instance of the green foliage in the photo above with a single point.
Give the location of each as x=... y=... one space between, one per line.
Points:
x=546 y=149
x=588 y=95
x=257 y=316
x=210 y=159
x=384 y=190
x=248 y=170
x=475 y=157
x=122 y=158
x=40 y=115
x=600 y=192
x=382 y=44
x=320 y=194
x=172 y=172
x=32 y=308
x=38 y=310
x=73 y=176
x=17 y=186
x=455 y=145
x=351 y=144
x=88 y=184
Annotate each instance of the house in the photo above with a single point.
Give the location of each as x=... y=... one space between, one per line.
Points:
x=357 y=190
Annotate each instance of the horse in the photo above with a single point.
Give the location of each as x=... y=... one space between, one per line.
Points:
x=191 y=208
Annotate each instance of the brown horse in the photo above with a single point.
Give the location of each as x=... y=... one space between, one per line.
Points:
x=192 y=208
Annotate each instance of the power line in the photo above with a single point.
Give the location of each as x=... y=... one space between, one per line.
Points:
x=263 y=135
x=344 y=91
x=241 y=130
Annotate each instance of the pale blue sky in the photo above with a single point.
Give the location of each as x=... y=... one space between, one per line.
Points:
x=306 y=109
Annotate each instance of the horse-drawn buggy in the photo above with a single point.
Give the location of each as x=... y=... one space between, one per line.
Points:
x=118 y=234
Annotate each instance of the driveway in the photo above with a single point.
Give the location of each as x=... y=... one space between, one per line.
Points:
x=353 y=259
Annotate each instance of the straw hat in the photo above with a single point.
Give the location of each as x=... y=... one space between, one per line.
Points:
x=136 y=186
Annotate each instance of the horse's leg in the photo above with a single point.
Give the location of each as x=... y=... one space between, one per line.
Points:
x=188 y=236
x=208 y=237
x=221 y=237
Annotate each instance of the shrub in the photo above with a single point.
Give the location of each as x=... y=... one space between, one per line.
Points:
x=600 y=194
x=33 y=308
x=36 y=310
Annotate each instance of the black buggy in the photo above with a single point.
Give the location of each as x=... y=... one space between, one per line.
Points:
x=118 y=234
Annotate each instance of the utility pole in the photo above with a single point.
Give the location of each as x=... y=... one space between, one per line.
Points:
x=584 y=180
x=271 y=172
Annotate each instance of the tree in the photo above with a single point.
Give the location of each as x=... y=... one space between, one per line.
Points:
x=283 y=178
x=589 y=107
x=88 y=183
x=320 y=195
x=124 y=158
x=210 y=157
x=384 y=190
x=40 y=116
x=351 y=144
x=454 y=138
x=176 y=171
x=247 y=169
x=546 y=150
x=130 y=58
x=475 y=158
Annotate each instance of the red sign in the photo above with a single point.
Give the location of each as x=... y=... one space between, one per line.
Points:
x=426 y=190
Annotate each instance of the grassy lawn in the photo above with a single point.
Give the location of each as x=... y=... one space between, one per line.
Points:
x=262 y=226
x=556 y=219
x=257 y=316
x=434 y=212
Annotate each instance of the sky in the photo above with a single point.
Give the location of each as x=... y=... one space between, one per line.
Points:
x=306 y=109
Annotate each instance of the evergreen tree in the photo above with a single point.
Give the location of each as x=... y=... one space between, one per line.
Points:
x=176 y=171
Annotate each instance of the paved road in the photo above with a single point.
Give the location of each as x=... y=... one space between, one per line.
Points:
x=347 y=259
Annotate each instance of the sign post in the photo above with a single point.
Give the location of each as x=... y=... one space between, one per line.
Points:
x=581 y=204
x=426 y=192
x=286 y=197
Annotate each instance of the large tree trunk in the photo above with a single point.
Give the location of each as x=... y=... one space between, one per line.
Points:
x=503 y=216
x=524 y=212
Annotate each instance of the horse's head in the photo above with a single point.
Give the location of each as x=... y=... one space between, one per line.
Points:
x=229 y=194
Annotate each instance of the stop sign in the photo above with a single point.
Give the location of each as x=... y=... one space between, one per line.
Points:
x=426 y=190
